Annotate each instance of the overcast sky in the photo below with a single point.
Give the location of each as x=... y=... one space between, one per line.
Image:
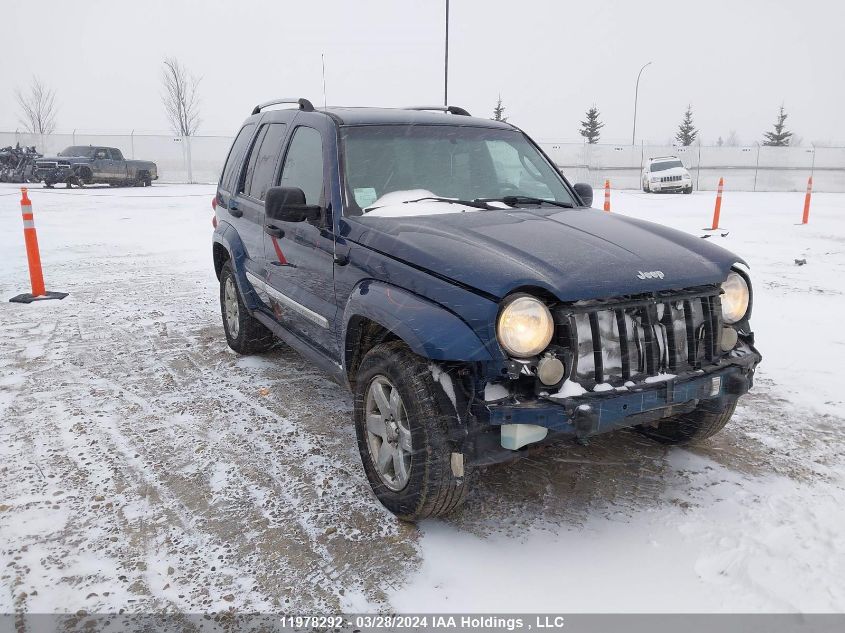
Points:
x=734 y=61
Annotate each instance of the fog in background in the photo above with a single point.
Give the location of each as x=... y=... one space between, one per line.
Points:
x=735 y=62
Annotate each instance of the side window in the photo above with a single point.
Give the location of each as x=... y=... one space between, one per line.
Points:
x=246 y=178
x=267 y=158
x=236 y=155
x=304 y=164
x=101 y=154
x=116 y=155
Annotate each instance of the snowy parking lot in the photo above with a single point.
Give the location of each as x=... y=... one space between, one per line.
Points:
x=145 y=466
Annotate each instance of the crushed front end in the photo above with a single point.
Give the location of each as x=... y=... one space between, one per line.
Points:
x=624 y=362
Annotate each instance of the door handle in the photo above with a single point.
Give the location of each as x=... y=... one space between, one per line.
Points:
x=233 y=209
x=274 y=231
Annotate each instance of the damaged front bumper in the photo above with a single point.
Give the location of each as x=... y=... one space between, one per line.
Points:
x=592 y=413
x=52 y=175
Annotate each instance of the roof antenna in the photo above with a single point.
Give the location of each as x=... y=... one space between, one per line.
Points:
x=323 y=56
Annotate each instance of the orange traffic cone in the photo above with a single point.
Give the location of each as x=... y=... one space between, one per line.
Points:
x=33 y=256
x=718 y=209
x=807 y=197
x=607 y=195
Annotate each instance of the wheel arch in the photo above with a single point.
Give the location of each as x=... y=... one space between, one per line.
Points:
x=377 y=312
x=227 y=246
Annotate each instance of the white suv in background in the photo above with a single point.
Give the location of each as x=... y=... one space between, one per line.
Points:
x=666 y=173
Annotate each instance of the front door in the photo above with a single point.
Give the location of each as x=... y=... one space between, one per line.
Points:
x=300 y=255
x=260 y=166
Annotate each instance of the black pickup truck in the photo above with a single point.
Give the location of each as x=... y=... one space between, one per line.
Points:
x=88 y=165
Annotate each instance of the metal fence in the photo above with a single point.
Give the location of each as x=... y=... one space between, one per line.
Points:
x=750 y=168
x=179 y=159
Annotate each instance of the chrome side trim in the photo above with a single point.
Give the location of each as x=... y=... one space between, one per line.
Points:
x=297 y=307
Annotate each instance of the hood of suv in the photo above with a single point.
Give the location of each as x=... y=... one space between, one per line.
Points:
x=573 y=253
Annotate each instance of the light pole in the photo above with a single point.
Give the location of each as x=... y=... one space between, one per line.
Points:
x=636 y=94
x=446 y=61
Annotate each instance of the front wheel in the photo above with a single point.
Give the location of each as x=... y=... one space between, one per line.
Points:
x=244 y=333
x=687 y=428
x=402 y=420
x=688 y=189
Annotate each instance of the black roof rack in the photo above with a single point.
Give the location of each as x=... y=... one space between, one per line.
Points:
x=450 y=109
x=304 y=104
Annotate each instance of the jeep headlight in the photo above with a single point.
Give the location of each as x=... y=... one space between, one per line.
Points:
x=525 y=326
x=735 y=298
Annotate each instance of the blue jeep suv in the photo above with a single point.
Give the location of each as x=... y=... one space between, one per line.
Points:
x=442 y=268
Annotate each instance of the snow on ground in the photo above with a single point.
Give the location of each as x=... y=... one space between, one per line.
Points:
x=144 y=466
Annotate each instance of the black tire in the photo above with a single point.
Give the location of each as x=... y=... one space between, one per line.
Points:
x=432 y=489
x=252 y=336
x=688 y=190
x=645 y=187
x=687 y=428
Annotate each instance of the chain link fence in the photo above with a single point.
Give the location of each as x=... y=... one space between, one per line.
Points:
x=751 y=168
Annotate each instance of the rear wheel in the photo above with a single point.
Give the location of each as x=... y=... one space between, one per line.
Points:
x=402 y=424
x=244 y=333
x=687 y=428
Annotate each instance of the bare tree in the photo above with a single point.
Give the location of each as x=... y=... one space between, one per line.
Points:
x=38 y=108
x=181 y=97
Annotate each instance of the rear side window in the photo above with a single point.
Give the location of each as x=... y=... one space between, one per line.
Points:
x=246 y=179
x=264 y=160
x=304 y=164
x=236 y=156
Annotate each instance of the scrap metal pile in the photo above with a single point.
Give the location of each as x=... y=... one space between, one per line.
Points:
x=17 y=164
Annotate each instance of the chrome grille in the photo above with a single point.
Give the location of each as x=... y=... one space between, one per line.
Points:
x=632 y=339
x=670 y=179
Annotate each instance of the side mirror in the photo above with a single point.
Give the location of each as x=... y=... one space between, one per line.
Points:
x=585 y=192
x=287 y=204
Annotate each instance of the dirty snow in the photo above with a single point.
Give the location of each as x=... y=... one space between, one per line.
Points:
x=143 y=466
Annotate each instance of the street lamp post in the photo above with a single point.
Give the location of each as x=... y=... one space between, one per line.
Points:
x=446 y=61
x=636 y=95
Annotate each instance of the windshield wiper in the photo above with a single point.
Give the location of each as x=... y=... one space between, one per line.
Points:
x=513 y=201
x=476 y=204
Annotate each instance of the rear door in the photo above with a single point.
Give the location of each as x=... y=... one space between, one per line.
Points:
x=300 y=255
x=259 y=172
x=247 y=224
x=118 y=166
x=103 y=166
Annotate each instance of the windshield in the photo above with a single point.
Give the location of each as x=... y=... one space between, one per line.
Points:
x=666 y=164
x=78 y=150
x=448 y=161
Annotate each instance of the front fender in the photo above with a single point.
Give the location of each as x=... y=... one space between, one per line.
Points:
x=226 y=237
x=428 y=328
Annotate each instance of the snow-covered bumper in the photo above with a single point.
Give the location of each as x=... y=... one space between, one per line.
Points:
x=671 y=183
x=50 y=175
x=593 y=413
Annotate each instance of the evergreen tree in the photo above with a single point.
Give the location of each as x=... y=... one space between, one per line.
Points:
x=687 y=131
x=499 y=111
x=591 y=128
x=779 y=137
